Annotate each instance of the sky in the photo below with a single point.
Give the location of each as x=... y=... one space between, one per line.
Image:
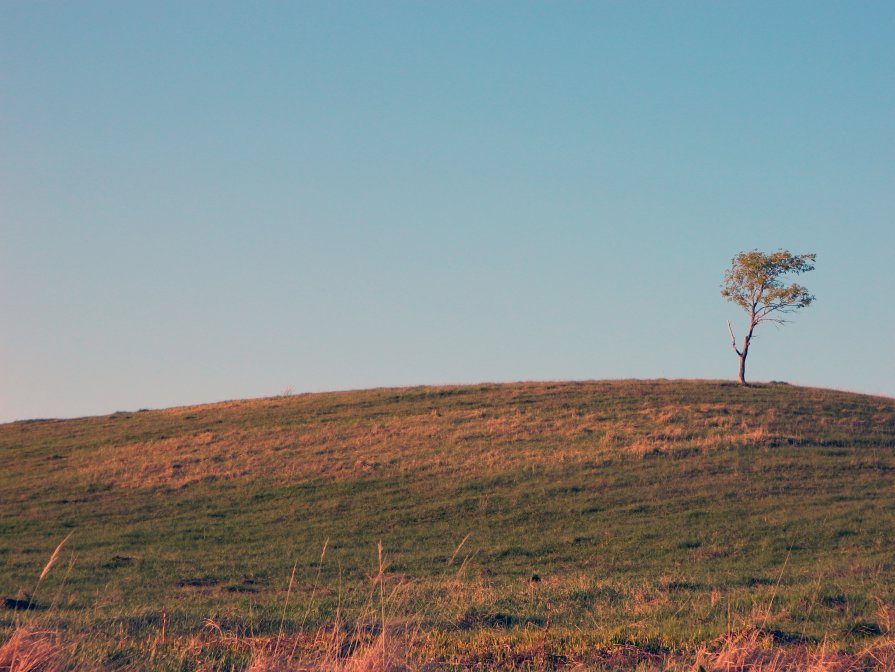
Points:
x=217 y=200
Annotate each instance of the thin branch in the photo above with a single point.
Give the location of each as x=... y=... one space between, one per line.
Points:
x=733 y=340
x=772 y=320
x=781 y=307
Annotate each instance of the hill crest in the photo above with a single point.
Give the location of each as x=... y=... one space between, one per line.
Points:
x=448 y=429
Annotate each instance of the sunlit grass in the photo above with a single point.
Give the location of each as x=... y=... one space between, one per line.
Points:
x=672 y=517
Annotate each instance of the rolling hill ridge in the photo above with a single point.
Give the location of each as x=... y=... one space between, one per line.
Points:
x=652 y=514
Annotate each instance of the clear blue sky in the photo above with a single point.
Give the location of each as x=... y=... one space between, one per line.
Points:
x=212 y=200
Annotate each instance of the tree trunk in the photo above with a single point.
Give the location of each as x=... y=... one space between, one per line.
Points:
x=745 y=352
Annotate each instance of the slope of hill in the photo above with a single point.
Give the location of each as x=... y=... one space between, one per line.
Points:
x=658 y=515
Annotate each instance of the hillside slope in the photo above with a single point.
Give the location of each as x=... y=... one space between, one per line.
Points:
x=649 y=512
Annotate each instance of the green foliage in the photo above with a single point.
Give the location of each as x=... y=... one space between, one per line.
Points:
x=754 y=282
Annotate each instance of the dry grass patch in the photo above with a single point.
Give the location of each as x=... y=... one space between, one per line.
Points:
x=439 y=431
x=755 y=650
x=29 y=650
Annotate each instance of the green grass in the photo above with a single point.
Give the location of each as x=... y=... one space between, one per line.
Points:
x=660 y=514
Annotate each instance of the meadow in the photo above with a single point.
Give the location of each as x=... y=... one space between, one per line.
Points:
x=571 y=525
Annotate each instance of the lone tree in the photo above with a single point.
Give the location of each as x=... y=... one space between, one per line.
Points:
x=754 y=283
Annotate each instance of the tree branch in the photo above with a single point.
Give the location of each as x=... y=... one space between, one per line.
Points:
x=772 y=320
x=733 y=340
x=782 y=307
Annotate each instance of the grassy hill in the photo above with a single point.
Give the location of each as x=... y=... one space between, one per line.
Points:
x=521 y=525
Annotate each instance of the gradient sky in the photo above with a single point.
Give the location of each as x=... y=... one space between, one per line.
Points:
x=212 y=200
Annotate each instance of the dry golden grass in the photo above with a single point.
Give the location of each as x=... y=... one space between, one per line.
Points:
x=508 y=426
x=397 y=641
x=756 y=651
x=30 y=650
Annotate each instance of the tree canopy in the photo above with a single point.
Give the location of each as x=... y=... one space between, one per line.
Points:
x=753 y=282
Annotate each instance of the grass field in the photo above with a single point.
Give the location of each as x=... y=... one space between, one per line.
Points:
x=603 y=525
